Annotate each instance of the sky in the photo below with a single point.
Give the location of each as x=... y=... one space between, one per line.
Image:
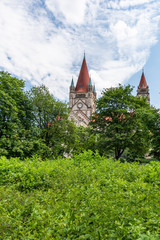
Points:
x=43 y=42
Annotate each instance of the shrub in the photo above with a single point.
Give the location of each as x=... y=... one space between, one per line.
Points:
x=87 y=197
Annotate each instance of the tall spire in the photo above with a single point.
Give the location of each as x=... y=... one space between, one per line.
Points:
x=94 y=88
x=72 y=83
x=143 y=89
x=143 y=83
x=83 y=79
x=82 y=97
x=90 y=82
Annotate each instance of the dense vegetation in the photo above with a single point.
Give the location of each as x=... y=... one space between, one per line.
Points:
x=86 y=197
x=32 y=122
x=125 y=123
x=36 y=123
x=91 y=195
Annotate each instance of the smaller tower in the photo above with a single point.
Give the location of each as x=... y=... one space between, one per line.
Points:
x=72 y=88
x=143 y=89
x=71 y=93
x=90 y=88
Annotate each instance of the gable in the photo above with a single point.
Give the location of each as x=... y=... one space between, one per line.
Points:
x=79 y=105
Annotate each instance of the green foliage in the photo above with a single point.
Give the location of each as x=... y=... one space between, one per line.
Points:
x=120 y=121
x=84 y=140
x=46 y=108
x=35 y=123
x=87 y=197
x=156 y=136
x=15 y=115
x=60 y=137
x=51 y=122
x=32 y=123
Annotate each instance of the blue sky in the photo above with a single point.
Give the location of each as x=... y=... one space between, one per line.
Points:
x=43 y=42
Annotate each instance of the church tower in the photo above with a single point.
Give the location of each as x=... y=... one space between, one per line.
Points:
x=82 y=97
x=143 y=89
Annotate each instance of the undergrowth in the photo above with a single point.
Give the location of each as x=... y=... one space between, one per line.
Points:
x=86 y=197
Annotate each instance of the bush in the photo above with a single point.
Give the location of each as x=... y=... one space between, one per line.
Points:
x=87 y=197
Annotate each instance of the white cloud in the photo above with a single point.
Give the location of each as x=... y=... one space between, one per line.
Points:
x=127 y=3
x=45 y=43
x=33 y=53
x=66 y=10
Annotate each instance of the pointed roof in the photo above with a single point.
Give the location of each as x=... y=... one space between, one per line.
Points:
x=143 y=83
x=83 y=79
x=72 y=83
x=90 y=82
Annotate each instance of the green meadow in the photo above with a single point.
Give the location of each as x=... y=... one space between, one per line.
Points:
x=85 y=197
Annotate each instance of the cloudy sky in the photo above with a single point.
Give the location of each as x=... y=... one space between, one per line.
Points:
x=43 y=42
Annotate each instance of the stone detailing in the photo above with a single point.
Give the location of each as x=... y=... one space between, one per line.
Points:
x=82 y=98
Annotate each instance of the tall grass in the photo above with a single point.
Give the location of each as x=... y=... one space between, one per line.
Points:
x=86 y=197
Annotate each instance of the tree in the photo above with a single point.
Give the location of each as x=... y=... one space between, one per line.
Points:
x=119 y=121
x=51 y=121
x=15 y=115
x=156 y=135
x=46 y=107
x=84 y=140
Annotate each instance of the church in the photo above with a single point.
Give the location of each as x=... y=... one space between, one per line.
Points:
x=82 y=96
x=143 y=89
